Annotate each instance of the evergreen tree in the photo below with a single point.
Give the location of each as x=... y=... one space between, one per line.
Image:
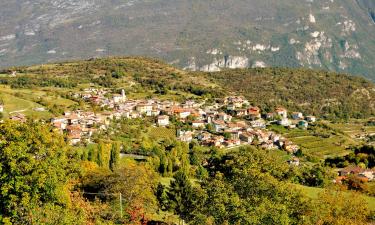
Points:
x=161 y=196
x=114 y=156
x=181 y=195
x=170 y=166
x=91 y=154
x=99 y=156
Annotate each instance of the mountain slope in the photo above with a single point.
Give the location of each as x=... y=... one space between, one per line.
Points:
x=309 y=91
x=198 y=35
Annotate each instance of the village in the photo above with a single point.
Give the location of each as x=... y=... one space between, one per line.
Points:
x=225 y=123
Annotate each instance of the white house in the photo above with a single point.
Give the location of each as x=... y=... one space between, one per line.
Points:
x=184 y=114
x=163 y=120
x=218 y=125
x=297 y=115
x=144 y=108
x=224 y=117
x=282 y=112
x=284 y=122
x=311 y=119
x=197 y=124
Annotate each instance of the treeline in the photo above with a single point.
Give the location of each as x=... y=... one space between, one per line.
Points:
x=363 y=156
x=40 y=81
x=321 y=93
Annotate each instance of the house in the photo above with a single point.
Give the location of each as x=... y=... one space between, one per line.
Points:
x=247 y=137
x=73 y=119
x=268 y=145
x=155 y=112
x=74 y=133
x=1 y=108
x=218 y=125
x=185 y=136
x=297 y=115
x=118 y=98
x=74 y=139
x=218 y=141
x=184 y=114
x=303 y=124
x=284 y=122
x=254 y=113
x=241 y=112
x=163 y=120
x=232 y=143
x=258 y=124
x=369 y=174
x=203 y=136
x=282 y=112
x=197 y=124
x=231 y=107
x=235 y=135
x=144 y=108
x=350 y=170
x=224 y=117
x=311 y=119
x=270 y=116
x=180 y=112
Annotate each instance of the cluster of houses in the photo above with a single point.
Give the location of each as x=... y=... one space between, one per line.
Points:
x=227 y=122
x=365 y=175
x=80 y=126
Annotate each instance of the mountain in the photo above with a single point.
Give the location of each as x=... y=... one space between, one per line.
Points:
x=324 y=94
x=204 y=35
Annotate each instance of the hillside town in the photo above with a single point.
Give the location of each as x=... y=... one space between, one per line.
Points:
x=225 y=123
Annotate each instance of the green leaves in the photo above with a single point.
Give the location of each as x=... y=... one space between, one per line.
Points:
x=34 y=167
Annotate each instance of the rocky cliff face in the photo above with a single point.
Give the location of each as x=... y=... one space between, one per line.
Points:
x=196 y=35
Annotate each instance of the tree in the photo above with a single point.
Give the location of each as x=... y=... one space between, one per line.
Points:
x=247 y=187
x=136 y=183
x=180 y=195
x=35 y=169
x=100 y=155
x=161 y=196
x=114 y=156
x=338 y=208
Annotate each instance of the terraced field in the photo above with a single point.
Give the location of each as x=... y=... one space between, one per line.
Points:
x=335 y=145
x=324 y=147
x=353 y=129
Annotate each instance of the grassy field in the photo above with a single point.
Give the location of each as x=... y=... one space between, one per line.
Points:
x=13 y=104
x=25 y=101
x=313 y=193
x=161 y=132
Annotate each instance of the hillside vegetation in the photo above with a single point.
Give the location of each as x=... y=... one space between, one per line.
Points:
x=325 y=94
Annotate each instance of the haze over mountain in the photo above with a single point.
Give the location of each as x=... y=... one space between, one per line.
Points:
x=193 y=34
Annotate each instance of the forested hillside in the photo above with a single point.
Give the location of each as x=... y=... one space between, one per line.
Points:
x=326 y=94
